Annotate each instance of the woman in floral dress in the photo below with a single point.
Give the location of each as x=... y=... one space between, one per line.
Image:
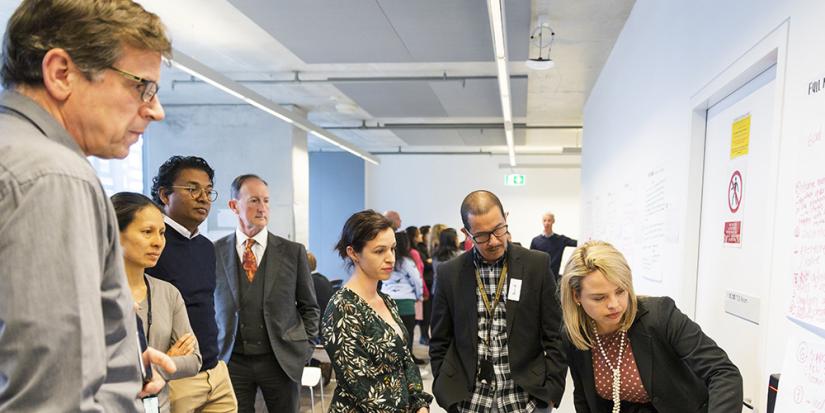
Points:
x=363 y=334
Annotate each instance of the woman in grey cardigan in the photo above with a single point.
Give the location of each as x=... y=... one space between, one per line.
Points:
x=158 y=303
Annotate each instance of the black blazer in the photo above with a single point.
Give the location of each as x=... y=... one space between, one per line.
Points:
x=681 y=368
x=290 y=309
x=537 y=359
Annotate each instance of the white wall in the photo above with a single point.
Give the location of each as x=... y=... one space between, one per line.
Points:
x=639 y=117
x=428 y=189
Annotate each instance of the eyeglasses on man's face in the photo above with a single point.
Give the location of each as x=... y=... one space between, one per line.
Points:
x=484 y=237
x=197 y=191
x=147 y=88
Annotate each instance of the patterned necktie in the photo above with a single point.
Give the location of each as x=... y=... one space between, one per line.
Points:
x=249 y=263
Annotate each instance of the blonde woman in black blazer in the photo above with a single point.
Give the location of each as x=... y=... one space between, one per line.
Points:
x=666 y=363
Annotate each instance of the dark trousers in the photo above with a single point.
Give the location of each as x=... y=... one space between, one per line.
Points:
x=409 y=324
x=425 y=322
x=248 y=373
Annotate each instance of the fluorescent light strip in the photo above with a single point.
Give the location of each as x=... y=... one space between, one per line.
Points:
x=503 y=77
x=203 y=72
x=496 y=11
x=497 y=21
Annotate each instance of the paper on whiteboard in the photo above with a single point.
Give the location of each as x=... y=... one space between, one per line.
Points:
x=802 y=385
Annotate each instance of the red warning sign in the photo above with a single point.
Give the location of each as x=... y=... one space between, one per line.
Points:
x=733 y=232
x=735 y=191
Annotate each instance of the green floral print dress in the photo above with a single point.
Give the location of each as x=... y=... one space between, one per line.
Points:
x=375 y=371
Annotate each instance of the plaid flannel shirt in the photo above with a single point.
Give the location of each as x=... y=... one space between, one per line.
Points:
x=503 y=392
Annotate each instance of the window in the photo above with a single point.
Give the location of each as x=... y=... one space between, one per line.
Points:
x=119 y=175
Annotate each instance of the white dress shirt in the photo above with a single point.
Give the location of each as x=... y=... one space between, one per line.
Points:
x=180 y=228
x=258 y=247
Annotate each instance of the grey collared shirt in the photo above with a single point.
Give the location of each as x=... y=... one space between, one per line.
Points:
x=68 y=337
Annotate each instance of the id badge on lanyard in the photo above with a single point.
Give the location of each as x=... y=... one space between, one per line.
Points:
x=151 y=405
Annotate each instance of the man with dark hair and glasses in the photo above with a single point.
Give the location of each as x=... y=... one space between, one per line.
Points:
x=68 y=332
x=505 y=297
x=183 y=188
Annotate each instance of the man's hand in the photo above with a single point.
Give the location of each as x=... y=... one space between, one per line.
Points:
x=183 y=347
x=156 y=358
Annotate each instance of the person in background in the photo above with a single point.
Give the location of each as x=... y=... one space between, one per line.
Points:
x=79 y=79
x=395 y=218
x=417 y=240
x=637 y=354
x=448 y=248
x=552 y=243
x=158 y=303
x=435 y=233
x=362 y=331
x=323 y=288
x=405 y=287
x=183 y=188
x=425 y=238
x=323 y=293
x=419 y=265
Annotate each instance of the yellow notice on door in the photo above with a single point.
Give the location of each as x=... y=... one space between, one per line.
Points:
x=740 y=136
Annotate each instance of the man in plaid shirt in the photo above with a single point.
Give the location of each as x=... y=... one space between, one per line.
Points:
x=496 y=344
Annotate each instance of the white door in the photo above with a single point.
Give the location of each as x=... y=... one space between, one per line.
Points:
x=736 y=192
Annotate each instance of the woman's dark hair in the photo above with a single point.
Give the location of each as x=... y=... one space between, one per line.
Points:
x=127 y=204
x=424 y=231
x=411 y=231
x=168 y=172
x=446 y=245
x=402 y=248
x=361 y=228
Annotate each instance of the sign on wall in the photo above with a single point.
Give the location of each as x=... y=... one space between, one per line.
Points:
x=739 y=146
x=740 y=136
x=514 y=180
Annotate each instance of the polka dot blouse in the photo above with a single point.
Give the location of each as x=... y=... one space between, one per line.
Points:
x=632 y=389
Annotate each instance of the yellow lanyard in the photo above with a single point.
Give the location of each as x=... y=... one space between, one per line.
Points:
x=491 y=308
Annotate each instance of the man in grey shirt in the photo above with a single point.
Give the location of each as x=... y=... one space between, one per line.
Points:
x=80 y=79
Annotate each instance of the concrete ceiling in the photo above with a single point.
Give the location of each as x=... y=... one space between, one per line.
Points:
x=268 y=44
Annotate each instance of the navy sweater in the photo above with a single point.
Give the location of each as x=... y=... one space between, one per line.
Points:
x=553 y=245
x=189 y=264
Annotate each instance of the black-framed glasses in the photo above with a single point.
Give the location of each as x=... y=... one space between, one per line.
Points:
x=147 y=88
x=196 y=192
x=484 y=237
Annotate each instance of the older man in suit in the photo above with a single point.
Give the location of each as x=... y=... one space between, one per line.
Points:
x=495 y=343
x=265 y=304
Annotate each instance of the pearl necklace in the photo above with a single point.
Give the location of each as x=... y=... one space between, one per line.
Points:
x=617 y=375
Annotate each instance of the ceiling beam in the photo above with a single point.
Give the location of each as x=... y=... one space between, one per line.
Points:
x=357 y=79
x=214 y=78
x=443 y=126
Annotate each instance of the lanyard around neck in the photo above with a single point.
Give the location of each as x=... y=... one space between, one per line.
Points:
x=149 y=308
x=491 y=308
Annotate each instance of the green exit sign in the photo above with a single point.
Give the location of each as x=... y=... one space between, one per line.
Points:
x=514 y=180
